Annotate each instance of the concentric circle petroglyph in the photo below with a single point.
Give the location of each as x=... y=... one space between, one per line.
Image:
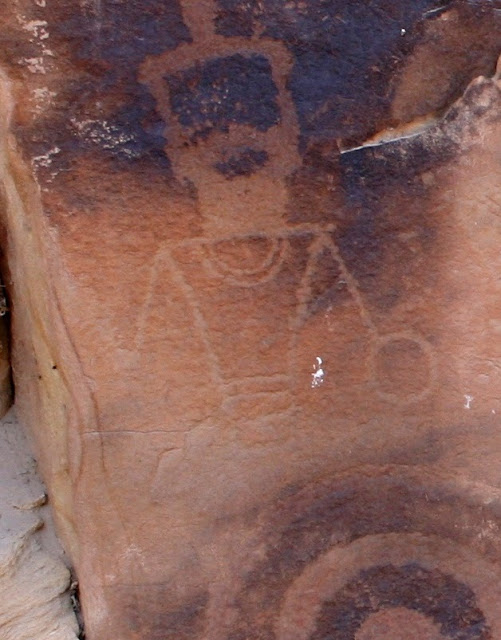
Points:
x=384 y=553
x=339 y=595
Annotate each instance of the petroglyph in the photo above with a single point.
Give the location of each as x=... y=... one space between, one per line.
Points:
x=213 y=134
x=241 y=308
x=333 y=569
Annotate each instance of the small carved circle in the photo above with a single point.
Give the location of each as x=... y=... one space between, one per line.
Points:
x=403 y=367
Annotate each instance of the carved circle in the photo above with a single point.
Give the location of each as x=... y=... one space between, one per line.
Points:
x=403 y=366
x=348 y=557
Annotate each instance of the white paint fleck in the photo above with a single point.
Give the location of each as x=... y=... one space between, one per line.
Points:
x=39 y=35
x=489 y=530
x=42 y=98
x=107 y=135
x=35 y=26
x=45 y=160
x=35 y=65
x=403 y=32
x=43 y=93
x=468 y=400
x=318 y=375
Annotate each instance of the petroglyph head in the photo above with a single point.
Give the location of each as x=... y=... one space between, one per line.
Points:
x=231 y=125
x=232 y=133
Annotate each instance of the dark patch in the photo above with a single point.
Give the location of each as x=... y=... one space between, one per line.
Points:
x=242 y=162
x=130 y=130
x=235 y=89
x=345 y=56
x=104 y=107
x=185 y=623
x=328 y=287
x=385 y=200
x=384 y=216
x=120 y=33
x=314 y=187
x=137 y=129
x=236 y=18
x=450 y=604
x=427 y=450
x=301 y=527
x=156 y=612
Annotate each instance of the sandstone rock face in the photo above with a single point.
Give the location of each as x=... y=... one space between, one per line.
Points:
x=34 y=582
x=252 y=250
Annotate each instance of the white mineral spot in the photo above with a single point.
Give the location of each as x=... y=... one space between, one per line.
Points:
x=35 y=65
x=45 y=160
x=35 y=25
x=467 y=401
x=43 y=93
x=317 y=377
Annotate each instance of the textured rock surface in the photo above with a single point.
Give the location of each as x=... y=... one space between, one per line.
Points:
x=34 y=582
x=5 y=372
x=252 y=251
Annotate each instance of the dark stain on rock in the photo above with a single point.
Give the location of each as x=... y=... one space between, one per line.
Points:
x=185 y=623
x=14 y=49
x=234 y=89
x=236 y=18
x=386 y=199
x=242 y=162
x=118 y=33
x=104 y=107
x=156 y=612
x=382 y=214
x=393 y=215
x=328 y=288
x=346 y=55
x=315 y=195
x=449 y=603
x=303 y=526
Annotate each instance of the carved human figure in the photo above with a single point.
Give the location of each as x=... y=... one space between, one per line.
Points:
x=268 y=300
x=232 y=134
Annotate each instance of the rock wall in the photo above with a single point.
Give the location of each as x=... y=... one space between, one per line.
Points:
x=34 y=582
x=252 y=254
